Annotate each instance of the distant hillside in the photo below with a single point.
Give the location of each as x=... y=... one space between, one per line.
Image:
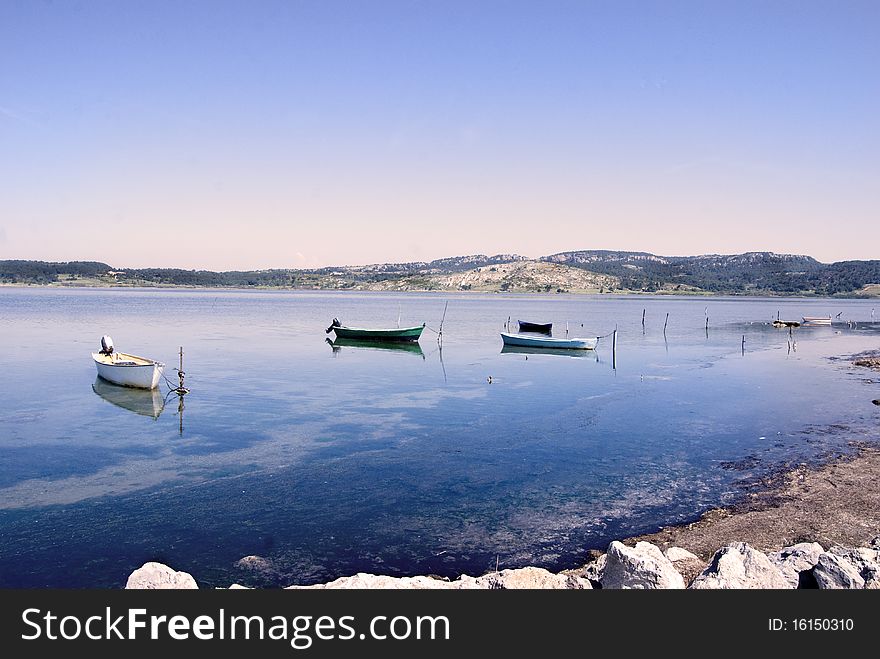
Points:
x=446 y=265
x=753 y=273
x=519 y=276
x=42 y=272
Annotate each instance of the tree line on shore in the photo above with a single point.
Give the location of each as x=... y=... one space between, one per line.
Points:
x=752 y=273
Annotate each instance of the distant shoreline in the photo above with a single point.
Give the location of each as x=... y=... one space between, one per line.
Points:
x=581 y=272
x=621 y=293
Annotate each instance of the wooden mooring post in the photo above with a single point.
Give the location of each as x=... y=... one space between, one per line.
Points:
x=181 y=389
x=614 y=349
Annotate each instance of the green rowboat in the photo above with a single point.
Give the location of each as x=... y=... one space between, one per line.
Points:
x=365 y=334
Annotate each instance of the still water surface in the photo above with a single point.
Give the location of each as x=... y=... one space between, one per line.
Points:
x=326 y=462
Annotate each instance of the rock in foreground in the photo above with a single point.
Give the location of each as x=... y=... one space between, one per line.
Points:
x=735 y=566
x=796 y=563
x=156 y=576
x=740 y=566
x=841 y=567
x=641 y=567
x=527 y=577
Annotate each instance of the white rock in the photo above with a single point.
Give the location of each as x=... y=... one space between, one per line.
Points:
x=865 y=560
x=527 y=577
x=641 y=567
x=834 y=572
x=159 y=576
x=531 y=577
x=592 y=571
x=363 y=580
x=254 y=563
x=676 y=554
x=466 y=582
x=795 y=560
x=740 y=566
x=843 y=567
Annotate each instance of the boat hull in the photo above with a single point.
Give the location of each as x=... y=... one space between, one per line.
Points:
x=817 y=320
x=124 y=373
x=384 y=335
x=548 y=342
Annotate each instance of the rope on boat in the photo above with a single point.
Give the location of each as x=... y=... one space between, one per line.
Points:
x=180 y=390
x=439 y=332
x=604 y=336
x=170 y=384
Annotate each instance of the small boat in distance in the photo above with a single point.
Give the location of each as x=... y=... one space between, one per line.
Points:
x=375 y=334
x=126 y=370
x=786 y=323
x=548 y=342
x=540 y=328
x=817 y=320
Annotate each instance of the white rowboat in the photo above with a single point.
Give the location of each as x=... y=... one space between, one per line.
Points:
x=817 y=320
x=126 y=370
x=533 y=341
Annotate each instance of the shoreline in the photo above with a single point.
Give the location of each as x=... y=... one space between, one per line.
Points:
x=809 y=527
x=434 y=291
x=834 y=503
x=822 y=509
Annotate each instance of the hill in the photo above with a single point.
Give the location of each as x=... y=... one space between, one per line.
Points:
x=752 y=273
x=749 y=273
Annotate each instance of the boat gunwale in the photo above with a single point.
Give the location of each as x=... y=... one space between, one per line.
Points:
x=102 y=359
x=379 y=329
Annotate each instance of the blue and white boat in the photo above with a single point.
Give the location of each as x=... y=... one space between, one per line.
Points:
x=533 y=341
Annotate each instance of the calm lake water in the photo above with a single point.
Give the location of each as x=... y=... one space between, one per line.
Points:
x=327 y=462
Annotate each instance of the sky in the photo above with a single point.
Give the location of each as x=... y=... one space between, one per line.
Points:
x=295 y=134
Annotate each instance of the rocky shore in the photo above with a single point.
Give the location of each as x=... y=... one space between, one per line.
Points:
x=806 y=528
x=803 y=528
x=641 y=567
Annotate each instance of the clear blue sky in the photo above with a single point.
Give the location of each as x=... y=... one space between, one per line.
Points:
x=295 y=134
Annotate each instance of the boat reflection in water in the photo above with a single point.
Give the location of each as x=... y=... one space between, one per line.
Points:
x=559 y=352
x=146 y=402
x=411 y=347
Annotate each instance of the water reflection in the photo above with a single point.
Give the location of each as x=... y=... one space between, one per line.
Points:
x=448 y=471
x=140 y=401
x=411 y=347
x=559 y=352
